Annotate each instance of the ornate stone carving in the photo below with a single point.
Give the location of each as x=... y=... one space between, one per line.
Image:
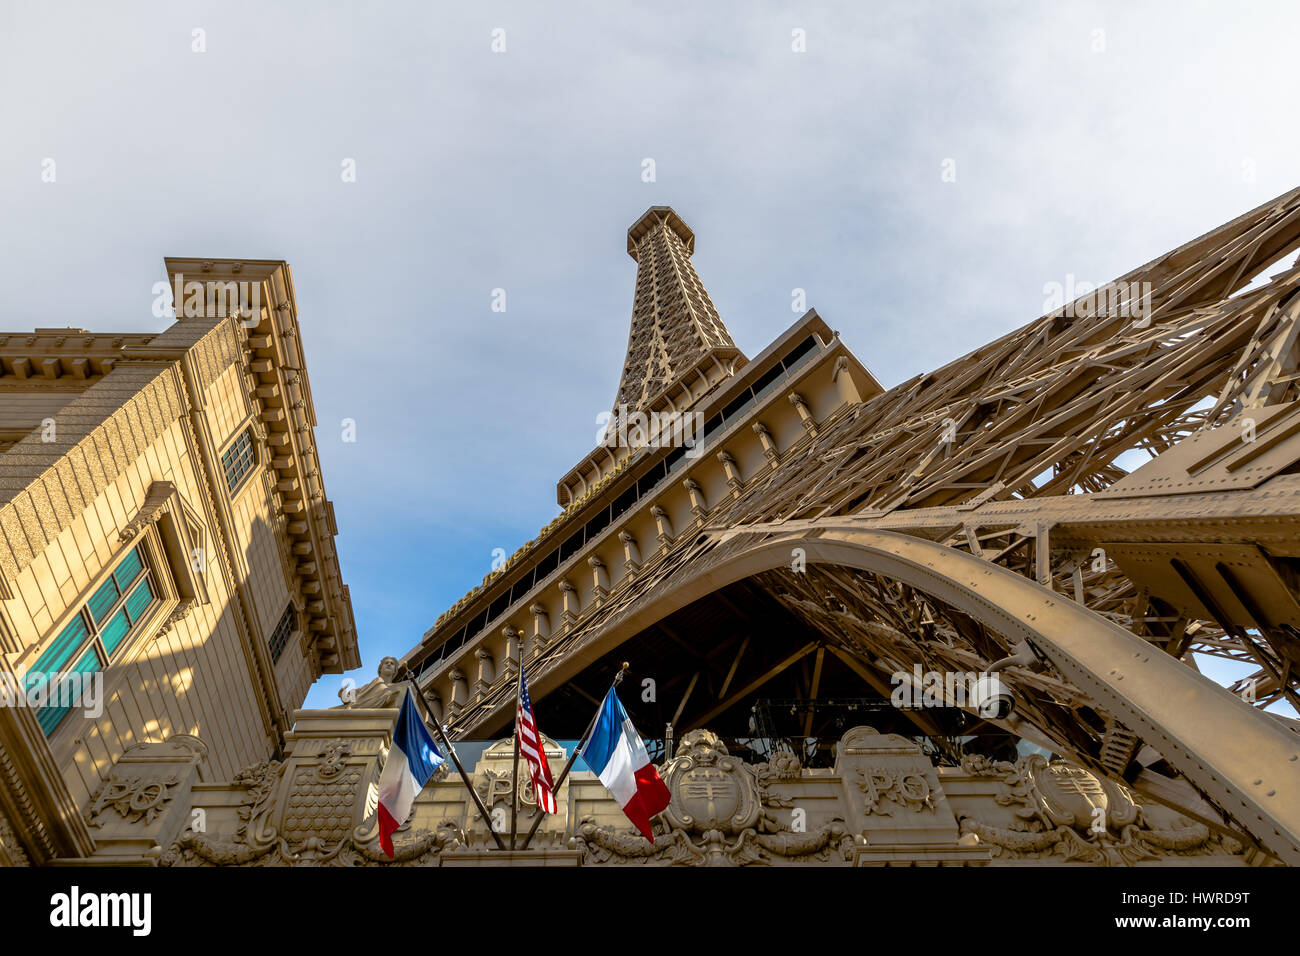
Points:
x=1065 y=812
x=882 y=786
x=175 y=617
x=133 y=798
x=310 y=819
x=11 y=850
x=718 y=816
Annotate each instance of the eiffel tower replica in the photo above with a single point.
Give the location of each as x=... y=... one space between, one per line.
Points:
x=1077 y=508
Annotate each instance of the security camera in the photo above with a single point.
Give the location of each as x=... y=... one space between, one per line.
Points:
x=992 y=698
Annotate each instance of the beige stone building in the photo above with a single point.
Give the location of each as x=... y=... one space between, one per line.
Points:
x=166 y=540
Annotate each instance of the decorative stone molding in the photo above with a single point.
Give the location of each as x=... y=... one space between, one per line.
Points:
x=600 y=578
x=770 y=451
x=663 y=527
x=732 y=472
x=569 y=597
x=459 y=692
x=177 y=615
x=883 y=803
x=315 y=808
x=155 y=502
x=844 y=384
x=1064 y=813
x=486 y=672
x=717 y=816
x=11 y=849
x=133 y=798
x=513 y=649
x=631 y=552
x=541 y=629
x=145 y=802
x=699 y=506
x=805 y=416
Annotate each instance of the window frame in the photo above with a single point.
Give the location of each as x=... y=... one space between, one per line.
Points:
x=245 y=429
x=156 y=572
x=291 y=613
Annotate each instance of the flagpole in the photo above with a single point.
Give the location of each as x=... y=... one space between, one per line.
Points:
x=559 y=781
x=451 y=751
x=514 y=772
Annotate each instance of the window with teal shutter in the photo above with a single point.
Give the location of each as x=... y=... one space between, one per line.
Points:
x=50 y=716
x=99 y=628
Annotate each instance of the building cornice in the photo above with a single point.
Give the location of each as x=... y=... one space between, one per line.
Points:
x=272 y=358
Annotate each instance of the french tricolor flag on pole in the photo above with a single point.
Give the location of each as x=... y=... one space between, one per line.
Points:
x=616 y=755
x=411 y=762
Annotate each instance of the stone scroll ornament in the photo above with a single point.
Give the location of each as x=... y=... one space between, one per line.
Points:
x=718 y=815
x=1065 y=812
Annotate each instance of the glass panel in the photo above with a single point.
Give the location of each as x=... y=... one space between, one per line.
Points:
x=238 y=460
x=548 y=564
x=64 y=646
x=102 y=601
x=117 y=628
x=280 y=638
x=139 y=600
x=736 y=404
x=768 y=379
x=793 y=357
x=129 y=569
x=49 y=716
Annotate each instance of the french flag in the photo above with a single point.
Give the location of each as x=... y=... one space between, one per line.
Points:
x=616 y=755
x=412 y=760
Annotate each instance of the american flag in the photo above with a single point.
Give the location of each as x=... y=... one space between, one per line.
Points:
x=530 y=745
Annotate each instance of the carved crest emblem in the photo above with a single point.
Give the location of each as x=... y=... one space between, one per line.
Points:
x=710 y=789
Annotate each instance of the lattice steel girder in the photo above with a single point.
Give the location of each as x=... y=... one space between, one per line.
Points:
x=1239 y=758
x=1268 y=516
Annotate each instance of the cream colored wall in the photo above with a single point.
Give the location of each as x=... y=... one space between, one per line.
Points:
x=254 y=527
x=193 y=679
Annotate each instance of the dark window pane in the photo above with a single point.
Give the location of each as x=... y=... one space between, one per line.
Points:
x=712 y=425
x=498 y=606
x=737 y=404
x=799 y=351
x=768 y=378
x=548 y=564
x=280 y=636
x=598 y=524
x=651 y=478
x=237 y=460
x=571 y=546
x=623 y=502
x=520 y=588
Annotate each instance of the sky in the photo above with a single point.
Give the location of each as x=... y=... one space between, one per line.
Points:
x=409 y=159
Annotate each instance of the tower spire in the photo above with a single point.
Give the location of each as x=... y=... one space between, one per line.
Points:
x=674 y=323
